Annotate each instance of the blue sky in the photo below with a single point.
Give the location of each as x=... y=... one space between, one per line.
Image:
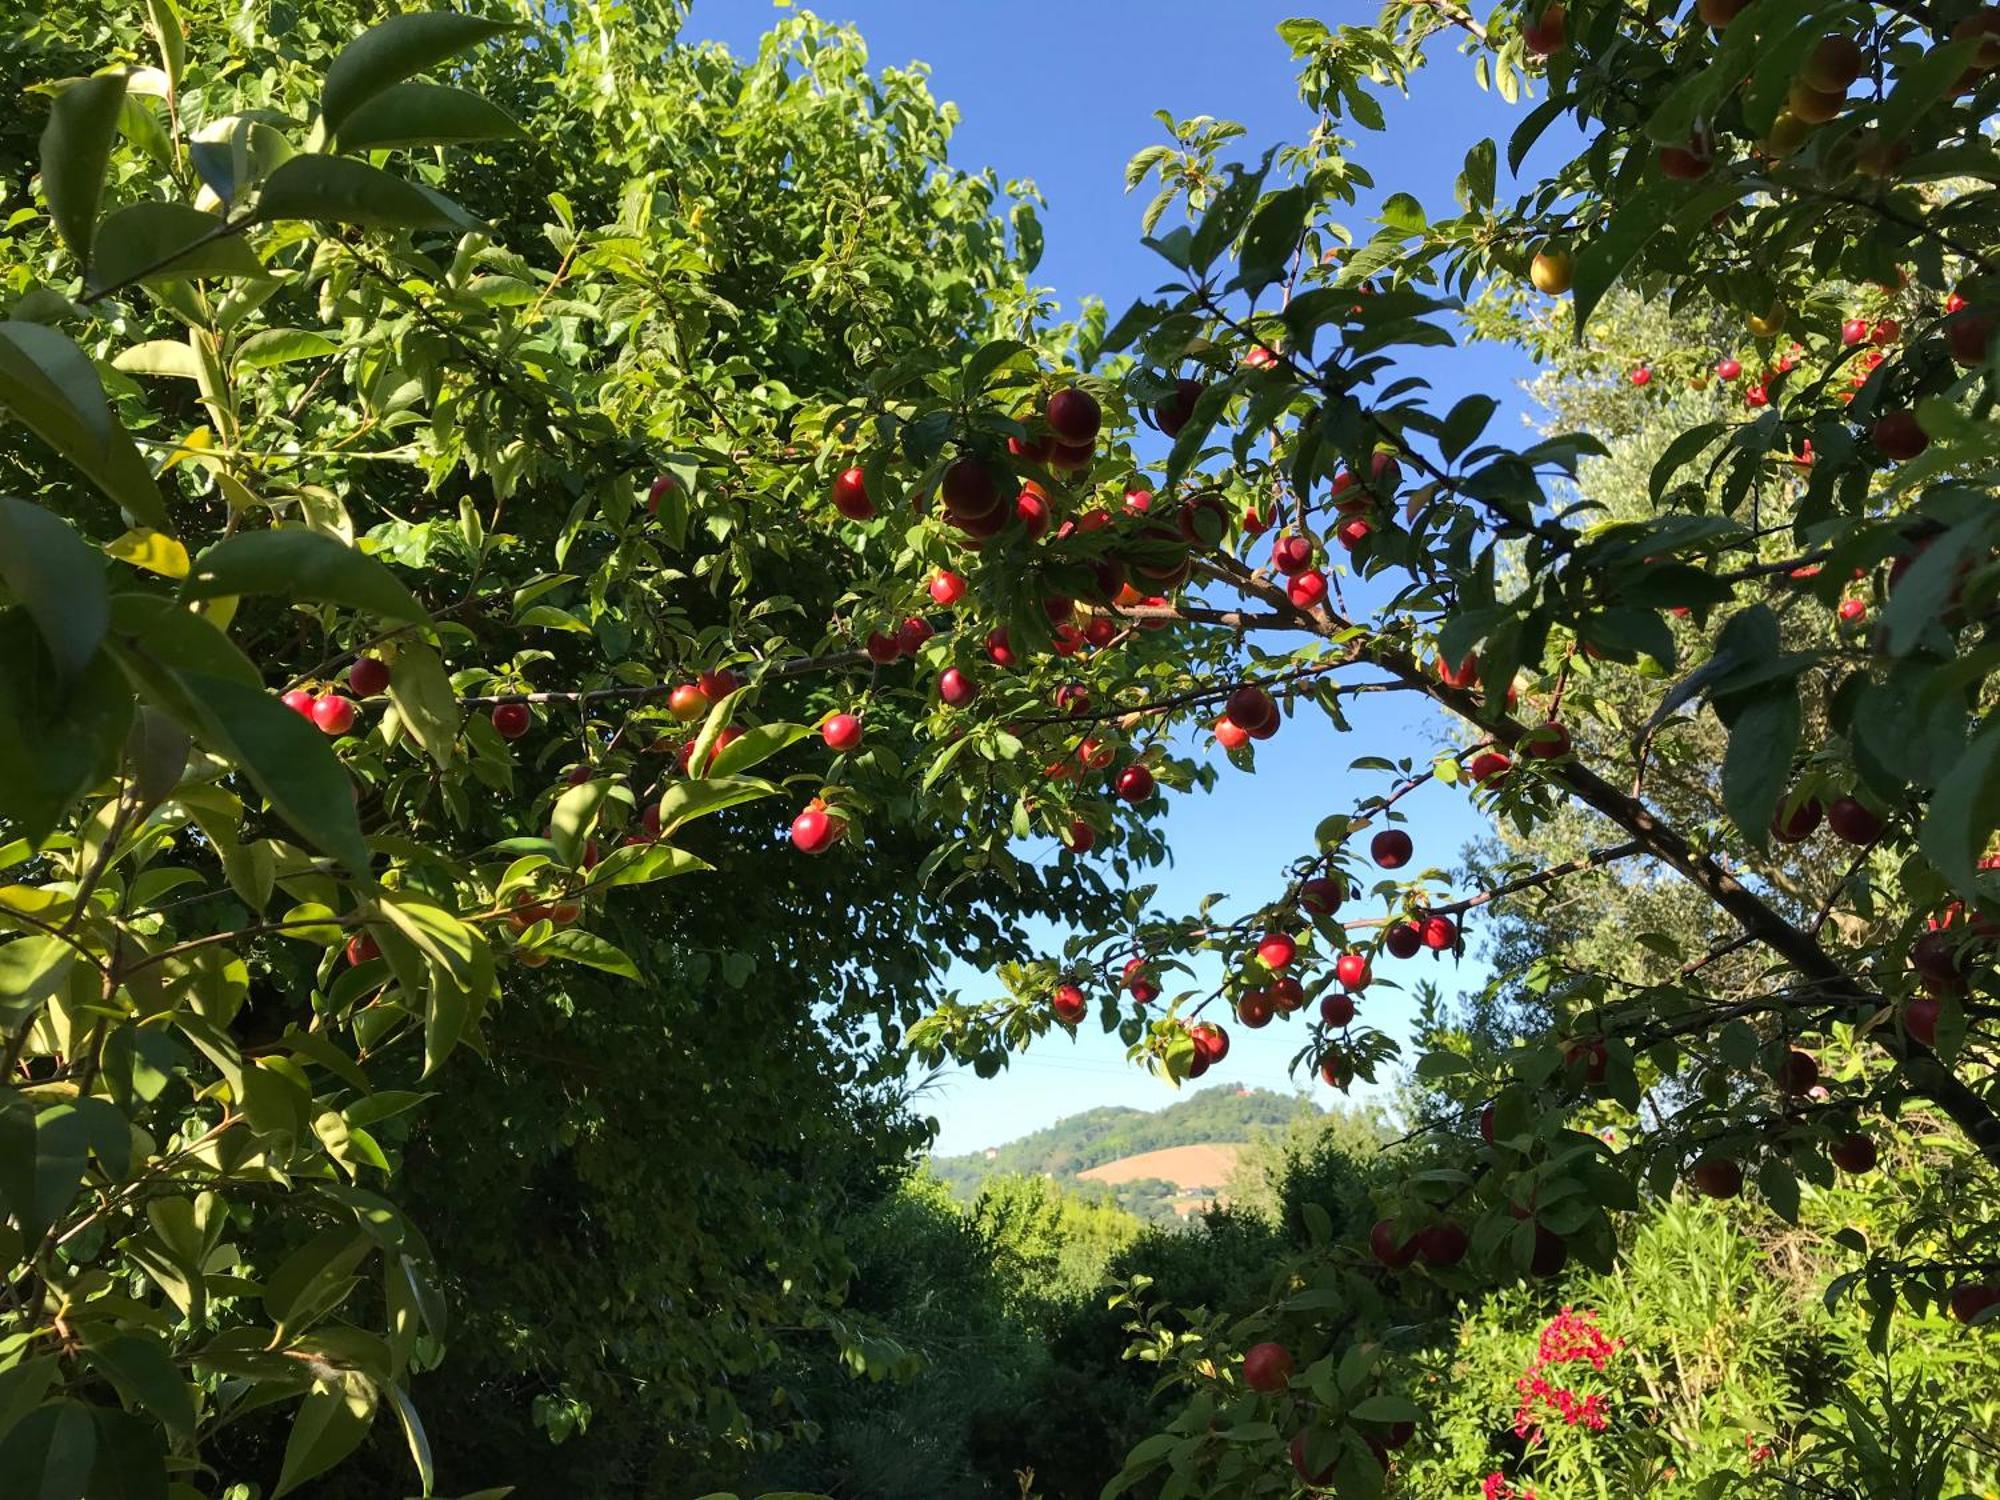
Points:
x=1063 y=94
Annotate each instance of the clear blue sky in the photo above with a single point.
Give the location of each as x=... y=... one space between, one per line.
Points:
x=1063 y=94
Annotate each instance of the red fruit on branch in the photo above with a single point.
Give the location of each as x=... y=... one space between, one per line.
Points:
x=1852 y=611
x=368 y=676
x=1443 y=1244
x=1403 y=940
x=300 y=702
x=661 y=488
x=1250 y=707
x=1463 y=675
x=1687 y=163
x=999 y=650
x=1277 y=950
x=969 y=490
x=362 y=947
x=512 y=720
x=1546 y=741
x=1291 y=553
x=1071 y=458
x=1885 y=332
x=1300 y=1465
x=1352 y=970
x=1717 y=1177
x=1322 y=895
x=718 y=684
x=946 y=588
x=1489 y=766
x=1969 y=336
x=1031 y=509
x=842 y=733
x=1082 y=837
x=688 y=703
x=956 y=688
x=816 y=830
x=1337 y=1009
x=1899 y=435
x=1853 y=822
x=1728 y=368
x=1256 y=1008
x=1069 y=1004
x=333 y=714
x=1073 y=698
x=1439 y=933
x=1267 y=1368
x=882 y=649
x=850 y=495
x=1134 y=784
x=1308 y=589
x=1230 y=735
x=1544 y=35
x=1287 y=994
x=1352 y=532
x=1095 y=753
x=1796 y=823
x=1177 y=410
x=1488 y=1125
x=1387 y=1244
x=1138 y=981
x=1853 y=1153
x=1641 y=376
x=1854 y=331
x=1590 y=1057
x=1211 y=1042
x=912 y=634
x=1074 y=416
x=1797 y=1073
x=1391 y=848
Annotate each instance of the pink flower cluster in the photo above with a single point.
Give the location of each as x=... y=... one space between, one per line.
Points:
x=1569 y=1338
x=1496 y=1487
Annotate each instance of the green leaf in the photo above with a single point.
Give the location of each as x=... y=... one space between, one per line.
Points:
x=49 y=1453
x=51 y=385
x=76 y=150
x=641 y=864
x=397 y=48
x=282 y=346
x=425 y=114
x=33 y=969
x=1386 y=1408
x=301 y=564
x=1605 y=258
x=1464 y=423
x=1272 y=236
x=172 y=358
x=413 y=1434
x=138 y=1364
x=153 y=242
x=1757 y=766
x=420 y=690
x=341 y=190
x=1926 y=590
x=287 y=760
x=79 y=726
x=574 y=815
x=755 y=746
x=1964 y=811
x=588 y=948
x=1780 y=1188
x=58 y=579
x=330 y=1424
x=1682 y=451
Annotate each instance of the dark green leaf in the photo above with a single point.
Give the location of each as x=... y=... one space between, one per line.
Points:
x=330 y=1424
x=154 y=242
x=287 y=759
x=49 y=1453
x=51 y=385
x=1964 y=812
x=588 y=948
x=425 y=114
x=341 y=190
x=301 y=565
x=1757 y=766
x=58 y=579
x=398 y=48
x=76 y=150
x=1272 y=236
x=421 y=691
x=79 y=726
x=139 y=1365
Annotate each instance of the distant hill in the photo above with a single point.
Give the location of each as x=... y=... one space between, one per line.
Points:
x=1135 y=1155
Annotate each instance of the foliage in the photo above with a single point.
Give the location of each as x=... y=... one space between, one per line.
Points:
x=298 y=371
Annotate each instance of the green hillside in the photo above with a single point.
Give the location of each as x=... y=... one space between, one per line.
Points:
x=1222 y=1114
